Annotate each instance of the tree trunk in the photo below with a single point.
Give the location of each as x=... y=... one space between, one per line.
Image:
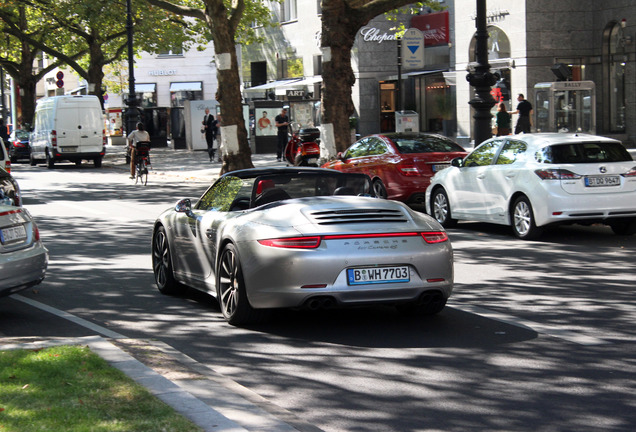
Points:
x=236 y=150
x=96 y=71
x=338 y=35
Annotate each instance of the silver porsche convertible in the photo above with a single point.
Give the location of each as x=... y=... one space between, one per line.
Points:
x=261 y=239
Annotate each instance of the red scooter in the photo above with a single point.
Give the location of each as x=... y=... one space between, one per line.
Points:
x=303 y=147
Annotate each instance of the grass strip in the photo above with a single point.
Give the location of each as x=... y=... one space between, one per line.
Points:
x=72 y=389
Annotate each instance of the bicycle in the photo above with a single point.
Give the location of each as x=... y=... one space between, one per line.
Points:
x=142 y=161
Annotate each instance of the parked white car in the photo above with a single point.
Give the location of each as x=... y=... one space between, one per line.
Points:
x=531 y=181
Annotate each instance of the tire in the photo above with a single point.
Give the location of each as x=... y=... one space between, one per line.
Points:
x=379 y=189
x=98 y=162
x=50 y=163
x=78 y=163
x=440 y=208
x=162 y=264
x=13 y=159
x=623 y=227
x=231 y=292
x=523 y=224
x=32 y=161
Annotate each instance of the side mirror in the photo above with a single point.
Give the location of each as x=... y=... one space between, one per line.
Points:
x=457 y=162
x=184 y=206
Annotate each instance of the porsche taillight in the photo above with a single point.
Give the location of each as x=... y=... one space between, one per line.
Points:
x=293 y=242
x=314 y=242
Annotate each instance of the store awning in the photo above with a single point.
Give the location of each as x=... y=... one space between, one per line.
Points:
x=185 y=86
x=145 y=88
x=304 y=82
x=413 y=74
x=271 y=85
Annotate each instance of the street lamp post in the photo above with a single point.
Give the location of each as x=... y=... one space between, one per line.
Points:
x=132 y=113
x=482 y=79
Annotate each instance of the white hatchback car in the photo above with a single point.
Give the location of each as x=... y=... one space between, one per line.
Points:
x=531 y=181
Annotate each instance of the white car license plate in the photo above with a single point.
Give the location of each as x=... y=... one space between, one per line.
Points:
x=371 y=275
x=602 y=181
x=68 y=149
x=12 y=234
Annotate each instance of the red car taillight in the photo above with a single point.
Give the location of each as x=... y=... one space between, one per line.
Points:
x=435 y=237
x=293 y=242
x=630 y=173
x=408 y=168
x=315 y=241
x=54 y=138
x=7 y=166
x=557 y=174
x=36 y=232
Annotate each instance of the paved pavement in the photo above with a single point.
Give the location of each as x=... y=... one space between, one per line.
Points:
x=183 y=164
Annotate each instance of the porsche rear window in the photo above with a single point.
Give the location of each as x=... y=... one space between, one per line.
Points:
x=584 y=152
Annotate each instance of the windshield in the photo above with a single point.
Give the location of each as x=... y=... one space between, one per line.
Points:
x=584 y=152
x=286 y=186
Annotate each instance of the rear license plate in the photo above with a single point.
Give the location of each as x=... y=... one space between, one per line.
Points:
x=12 y=234
x=371 y=275
x=602 y=181
x=439 y=167
x=68 y=149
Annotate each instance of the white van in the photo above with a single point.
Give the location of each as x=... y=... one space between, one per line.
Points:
x=68 y=128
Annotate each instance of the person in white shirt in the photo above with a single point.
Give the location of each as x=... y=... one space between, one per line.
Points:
x=138 y=135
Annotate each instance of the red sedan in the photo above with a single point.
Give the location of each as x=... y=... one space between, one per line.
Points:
x=400 y=164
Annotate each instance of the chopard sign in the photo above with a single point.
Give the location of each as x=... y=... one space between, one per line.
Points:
x=373 y=34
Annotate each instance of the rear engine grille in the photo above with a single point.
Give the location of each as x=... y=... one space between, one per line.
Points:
x=334 y=217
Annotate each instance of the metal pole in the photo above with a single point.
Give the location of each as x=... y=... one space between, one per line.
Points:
x=4 y=105
x=482 y=79
x=398 y=105
x=132 y=113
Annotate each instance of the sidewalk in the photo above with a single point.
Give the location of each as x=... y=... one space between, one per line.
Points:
x=184 y=164
x=210 y=400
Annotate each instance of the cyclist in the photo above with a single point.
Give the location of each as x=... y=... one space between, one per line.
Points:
x=136 y=136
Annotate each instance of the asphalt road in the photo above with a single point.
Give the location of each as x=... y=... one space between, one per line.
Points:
x=538 y=336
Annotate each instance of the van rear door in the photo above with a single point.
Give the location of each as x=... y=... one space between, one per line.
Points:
x=79 y=125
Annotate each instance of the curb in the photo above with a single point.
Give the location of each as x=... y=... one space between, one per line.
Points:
x=211 y=401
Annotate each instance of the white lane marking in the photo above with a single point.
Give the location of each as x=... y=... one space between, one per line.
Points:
x=567 y=335
x=77 y=320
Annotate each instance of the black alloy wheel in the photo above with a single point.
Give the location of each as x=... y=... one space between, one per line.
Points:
x=162 y=264
x=231 y=293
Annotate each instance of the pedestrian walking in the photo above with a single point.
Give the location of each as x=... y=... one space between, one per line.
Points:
x=503 y=120
x=282 y=123
x=524 y=109
x=210 y=128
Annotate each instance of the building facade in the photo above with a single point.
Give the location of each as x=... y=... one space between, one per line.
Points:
x=542 y=41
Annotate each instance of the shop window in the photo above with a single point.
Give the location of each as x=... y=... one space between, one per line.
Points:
x=387 y=97
x=183 y=91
